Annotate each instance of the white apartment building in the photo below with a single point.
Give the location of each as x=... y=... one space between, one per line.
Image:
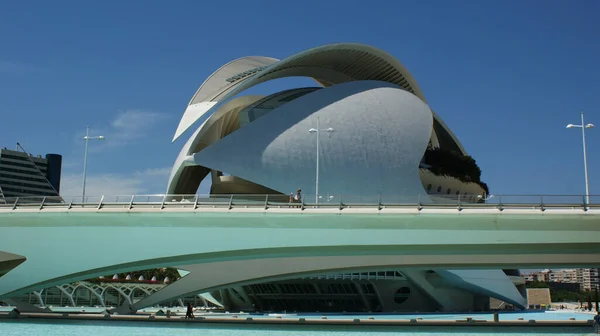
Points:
x=587 y=278
x=563 y=275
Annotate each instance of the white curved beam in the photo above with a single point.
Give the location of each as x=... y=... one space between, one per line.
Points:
x=452 y=135
x=217 y=84
x=344 y=62
x=92 y=291
x=121 y=292
x=70 y=295
x=262 y=270
x=209 y=298
x=211 y=131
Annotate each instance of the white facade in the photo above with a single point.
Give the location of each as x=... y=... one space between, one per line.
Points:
x=380 y=134
x=563 y=275
x=588 y=278
x=379 y=128
x=381 y=121
x=328 y=65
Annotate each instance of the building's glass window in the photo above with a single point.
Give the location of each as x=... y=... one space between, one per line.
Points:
x=29 y=170
x=38 y=178
x=26 y=185
x=23 y=164
x=266 y=105
x=24 y=158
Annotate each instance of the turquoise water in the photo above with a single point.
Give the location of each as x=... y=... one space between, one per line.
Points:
x=101 y=328
x=560 y=315
x=114 y=328
x=504 y=316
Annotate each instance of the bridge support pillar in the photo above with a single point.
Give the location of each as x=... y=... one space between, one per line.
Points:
x=419 y=279
x=25 y=307
x=364 y=300
x=125 y=309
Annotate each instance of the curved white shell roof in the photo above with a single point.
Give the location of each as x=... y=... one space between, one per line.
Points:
x=381 y=132
x=221 y=123
x=328 y=65
x=217 y=84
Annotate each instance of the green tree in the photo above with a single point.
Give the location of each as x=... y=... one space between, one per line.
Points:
x=537 y=284
x=453 y=164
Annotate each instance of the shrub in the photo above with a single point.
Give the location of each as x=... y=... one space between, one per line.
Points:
x=453 y=164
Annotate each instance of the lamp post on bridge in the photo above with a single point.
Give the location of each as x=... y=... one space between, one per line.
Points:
x=87 y=139
x=318 y=131
x=485 y=197
x=583 y=126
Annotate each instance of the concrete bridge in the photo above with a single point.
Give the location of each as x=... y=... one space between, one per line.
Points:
x=227 y=241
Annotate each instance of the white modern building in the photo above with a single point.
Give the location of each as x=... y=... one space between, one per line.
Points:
x=363 y=133
x=367 y=113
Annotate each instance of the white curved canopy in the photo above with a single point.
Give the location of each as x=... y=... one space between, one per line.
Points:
x=221 y=123
x=220 y=82
x=437 y=118
x=381 y=137
x=328 y=65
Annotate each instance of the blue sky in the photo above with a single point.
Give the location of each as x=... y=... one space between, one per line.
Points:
x=506 y=76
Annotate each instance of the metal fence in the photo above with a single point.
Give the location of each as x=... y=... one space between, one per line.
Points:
x=161 y=201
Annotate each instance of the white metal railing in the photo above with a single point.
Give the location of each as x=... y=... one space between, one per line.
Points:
x=162 y=201
x=379 y=275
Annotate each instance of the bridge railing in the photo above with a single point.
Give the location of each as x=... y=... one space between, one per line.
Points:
x=160 y=201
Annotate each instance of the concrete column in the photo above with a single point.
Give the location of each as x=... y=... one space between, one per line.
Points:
x=366 y=302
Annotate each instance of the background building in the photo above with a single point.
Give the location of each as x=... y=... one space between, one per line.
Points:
x=25 y=175
x=586 y=278
x=563 y=275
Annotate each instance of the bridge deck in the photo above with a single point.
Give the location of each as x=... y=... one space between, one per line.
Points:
x=501 y=204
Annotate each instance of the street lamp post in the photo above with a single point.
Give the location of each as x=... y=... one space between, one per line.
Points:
x=583 y=126
x=485 y=197
x=87 y=138
x=318 y=130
